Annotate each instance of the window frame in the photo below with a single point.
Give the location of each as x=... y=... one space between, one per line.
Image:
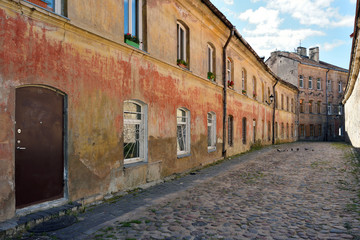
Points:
x=301 y=81
x=340 y=87
x=143 y=152
x=244 y=132
x=211 y=59
x=230 y=130
x=186 y=123
x=212 y=135
x=329 y=86
x=310 y=83
x=139 y=21
x=243 y=79
x=182 y=42
x=318 y=84
x=302 y=107
x=329 y=108
x=311 y=106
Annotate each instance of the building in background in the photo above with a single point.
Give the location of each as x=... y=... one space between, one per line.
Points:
x=352 y=93
x=102 y=96
x=321 y=85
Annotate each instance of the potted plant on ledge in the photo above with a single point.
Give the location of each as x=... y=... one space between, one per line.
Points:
x=182 y=63
x=254 y=94
x=231 y=84
x=243 y=92
x=211 y=76
x=132 y=40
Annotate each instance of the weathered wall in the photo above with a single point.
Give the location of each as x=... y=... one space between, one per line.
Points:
x=352 y=112
x=98 y=75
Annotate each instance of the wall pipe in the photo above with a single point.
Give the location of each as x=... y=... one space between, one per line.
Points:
x=225 y=92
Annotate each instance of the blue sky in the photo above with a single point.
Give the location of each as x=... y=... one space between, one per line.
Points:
x=270 y=25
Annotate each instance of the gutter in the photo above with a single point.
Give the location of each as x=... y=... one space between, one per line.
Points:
x=225 y=92
x=273 y=117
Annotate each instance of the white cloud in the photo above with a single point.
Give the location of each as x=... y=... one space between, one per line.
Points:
x=353 y=1
x=265 y=20
x=229 y=2
x=311 y=12
x=331 y=46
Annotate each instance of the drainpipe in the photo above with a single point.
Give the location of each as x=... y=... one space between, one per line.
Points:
x=327 y=113
x=225 y=89
x=274 y=107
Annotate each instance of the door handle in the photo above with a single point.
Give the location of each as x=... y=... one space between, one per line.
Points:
x=20 y=148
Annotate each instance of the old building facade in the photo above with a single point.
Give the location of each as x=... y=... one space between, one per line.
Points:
x=98 y=97
x=321 y=85
x=352 y=93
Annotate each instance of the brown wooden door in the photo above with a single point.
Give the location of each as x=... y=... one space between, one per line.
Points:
x=39 y=155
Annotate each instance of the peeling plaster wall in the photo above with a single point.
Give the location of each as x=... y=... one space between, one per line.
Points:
x=98 y=75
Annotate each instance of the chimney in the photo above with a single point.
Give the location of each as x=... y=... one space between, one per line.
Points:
x=301 y=51
x=314 y=53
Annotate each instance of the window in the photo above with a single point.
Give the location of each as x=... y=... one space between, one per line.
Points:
x=329 y=108
x=244 y=130
x=311 y=130
x=276 y=100
x=269 y=94
x=276 y=130
x=318 y=84
x=254 y=130
x=329 y=86
x=211 y=124
x=229 y=73
x=302 y=130
x=292 y=130
x=230 y=130
x=182 y=43
x=340 y=131
x=287 y=103
x=292 y=105
x=211 y=60
x=262 y=92
x=56 y=6
x=301 y=81
x=254 y=88
x=269 y=131
x=340 y=87
x=319 y=107
x=243 y=80
x=311 y=106
x=310 y=82
x=135 y=132
x=287 y=130
x=282 y=130
x=183 y=131
x=133 y=25
x=282 y=102
x=320 y=129
x=301 y=105
x=340 y=109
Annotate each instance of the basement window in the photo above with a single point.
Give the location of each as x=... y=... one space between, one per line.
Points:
x=211 y=124
x=183 y=131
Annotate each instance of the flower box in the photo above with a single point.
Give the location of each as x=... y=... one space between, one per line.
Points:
x=243 y=92
x=131 y=43
x=182 y=63
x=211 y=76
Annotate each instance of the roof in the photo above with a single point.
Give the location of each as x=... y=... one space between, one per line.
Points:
x=307 y=61
x=223 y=18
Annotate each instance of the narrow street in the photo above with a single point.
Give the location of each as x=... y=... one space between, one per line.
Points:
x=290 y=191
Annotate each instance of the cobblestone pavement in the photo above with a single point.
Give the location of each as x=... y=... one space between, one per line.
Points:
x=294 y=191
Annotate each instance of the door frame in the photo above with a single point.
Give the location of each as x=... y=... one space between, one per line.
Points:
x=52 y=203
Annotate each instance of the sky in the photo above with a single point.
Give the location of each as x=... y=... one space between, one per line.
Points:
x=270 y=25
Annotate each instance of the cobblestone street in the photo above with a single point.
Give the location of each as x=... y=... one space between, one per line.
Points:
x=294 y=191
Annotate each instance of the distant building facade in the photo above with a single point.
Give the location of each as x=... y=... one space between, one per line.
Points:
x=102 y=96
x=352 y=93
x=321 y=85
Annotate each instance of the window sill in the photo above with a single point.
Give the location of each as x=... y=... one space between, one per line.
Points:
x=183 y=155
x=211 y=149
x=45 y=9
x=134 y=164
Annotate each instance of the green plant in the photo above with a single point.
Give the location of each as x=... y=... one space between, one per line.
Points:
x=243 y=91
x=181 y=61
x=132 y=38
x=211 y=76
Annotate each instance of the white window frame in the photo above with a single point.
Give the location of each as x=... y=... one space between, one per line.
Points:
x=211 y=123
x=301 y=81
x=310 y=83
x=139 y=21
x=143 y=128
x=340 y=87
x=181 y=41
x=318 y=84
x=184 y=122
x=228 y=69
x=329 y=85
x=210 y=54
x=243 y=79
